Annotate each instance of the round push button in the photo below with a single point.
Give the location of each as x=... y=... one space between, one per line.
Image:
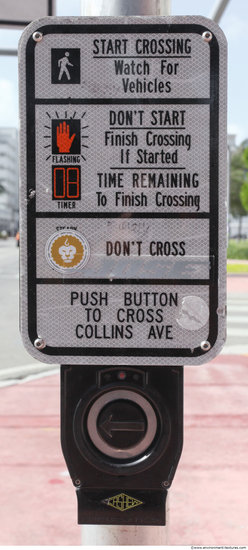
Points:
x=122 y=424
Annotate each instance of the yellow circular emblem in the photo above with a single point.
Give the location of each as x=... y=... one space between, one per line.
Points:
x=67 y=251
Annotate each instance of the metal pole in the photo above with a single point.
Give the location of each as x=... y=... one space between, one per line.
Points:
x=218 y=10
x=126 y=535
x=125 y=7
x=8 y=52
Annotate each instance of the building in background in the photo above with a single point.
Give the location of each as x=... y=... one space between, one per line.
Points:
x=9 y=208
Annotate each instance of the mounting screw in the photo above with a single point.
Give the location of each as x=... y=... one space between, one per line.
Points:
x=77 y=482
x=207 y=36
x=165 y=484
x=32 y=193
x=37 y=36
x=39 y=343
x=205 y=346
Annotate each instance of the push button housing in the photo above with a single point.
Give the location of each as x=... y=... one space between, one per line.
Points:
x=121 y=433
x=122 y=424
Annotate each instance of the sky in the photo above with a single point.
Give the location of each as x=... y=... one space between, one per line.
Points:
x=234 y=23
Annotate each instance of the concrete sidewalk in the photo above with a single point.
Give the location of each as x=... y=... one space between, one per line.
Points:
x=209 y=497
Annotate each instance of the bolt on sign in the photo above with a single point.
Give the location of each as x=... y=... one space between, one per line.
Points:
x=123 y=190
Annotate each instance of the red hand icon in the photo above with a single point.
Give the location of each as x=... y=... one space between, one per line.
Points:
x=64 y=140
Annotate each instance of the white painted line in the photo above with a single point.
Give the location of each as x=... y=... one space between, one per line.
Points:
x=26 y=373
x=231 y=331
x=237 y=319
x=24 y=370
x=242 y=308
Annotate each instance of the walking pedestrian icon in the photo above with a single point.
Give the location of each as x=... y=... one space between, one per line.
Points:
x=65 y=64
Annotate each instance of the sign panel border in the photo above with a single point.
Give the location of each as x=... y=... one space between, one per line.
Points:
x=213 y=215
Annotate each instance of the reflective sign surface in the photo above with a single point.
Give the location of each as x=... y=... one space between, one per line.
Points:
x=123 y=189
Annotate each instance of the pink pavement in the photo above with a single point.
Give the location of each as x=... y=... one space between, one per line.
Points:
x=237 y=283
x=37 y=500
x=208 y=497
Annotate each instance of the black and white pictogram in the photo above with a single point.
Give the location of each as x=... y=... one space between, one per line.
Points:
x=65 y=65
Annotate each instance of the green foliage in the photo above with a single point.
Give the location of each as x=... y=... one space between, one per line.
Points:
x=237 y=268
x=244 y=195
x=237 y=250
x=245 y=156
x=237 y=178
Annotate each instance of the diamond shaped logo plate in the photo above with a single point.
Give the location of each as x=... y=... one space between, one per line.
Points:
x=122 y=502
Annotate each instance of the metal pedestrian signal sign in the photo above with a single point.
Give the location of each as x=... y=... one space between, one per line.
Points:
x=123 y=187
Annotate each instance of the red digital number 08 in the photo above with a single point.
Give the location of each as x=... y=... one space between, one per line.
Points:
x=70 y=177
